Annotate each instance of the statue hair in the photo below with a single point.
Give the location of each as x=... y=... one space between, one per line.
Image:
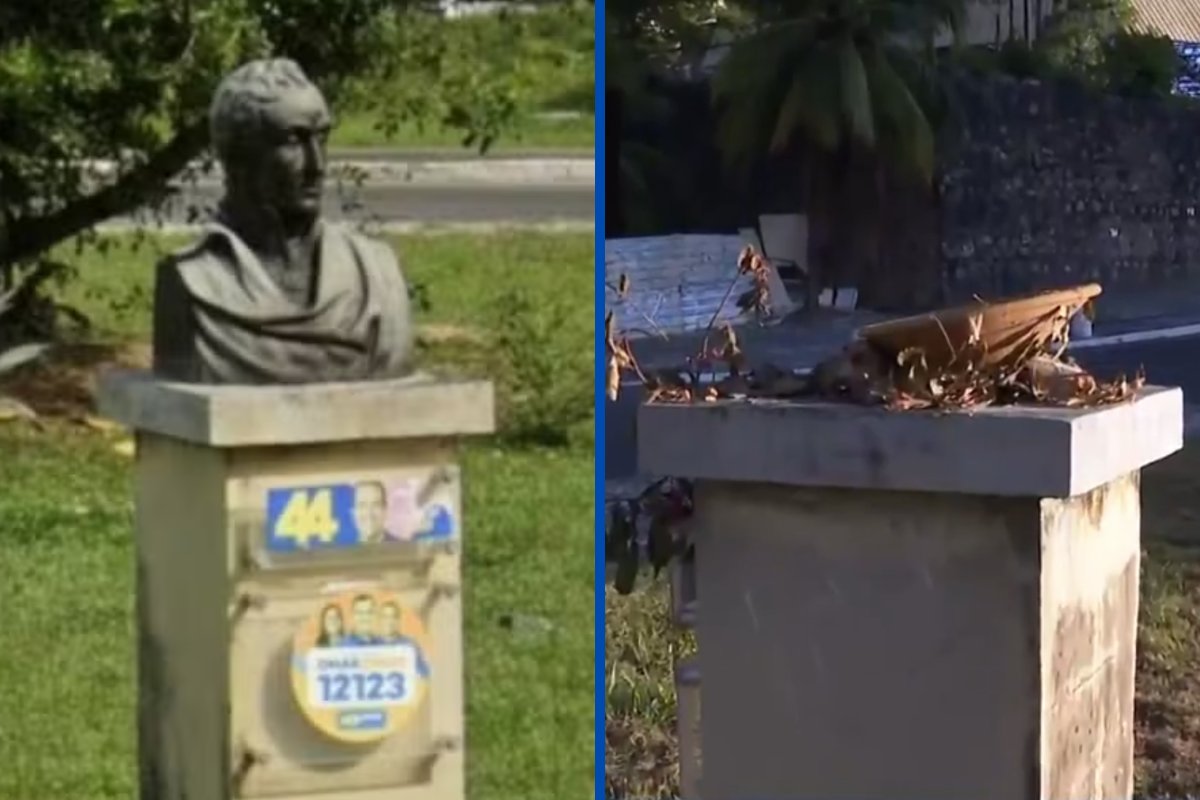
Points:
x=236 y=112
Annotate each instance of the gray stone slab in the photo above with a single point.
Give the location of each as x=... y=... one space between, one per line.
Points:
x=243 y=416
x=1010 y=451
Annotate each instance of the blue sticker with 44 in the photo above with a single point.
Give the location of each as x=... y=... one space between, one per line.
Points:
x=311 y=518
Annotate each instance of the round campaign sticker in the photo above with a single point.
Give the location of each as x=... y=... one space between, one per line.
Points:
x=359 y=666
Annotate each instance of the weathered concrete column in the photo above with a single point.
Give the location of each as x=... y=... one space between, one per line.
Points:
x=912 y=606
x=299 y=603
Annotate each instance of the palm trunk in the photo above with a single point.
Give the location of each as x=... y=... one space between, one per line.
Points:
x=820 y=205
x=843 y=267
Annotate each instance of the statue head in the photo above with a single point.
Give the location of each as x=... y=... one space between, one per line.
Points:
x=269 y=127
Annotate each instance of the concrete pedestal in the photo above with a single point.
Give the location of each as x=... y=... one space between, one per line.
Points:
x=910 y=606
x=295 y=542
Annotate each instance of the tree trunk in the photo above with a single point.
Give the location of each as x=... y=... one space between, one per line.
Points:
x=819 y=204
x=907 y=274
x=29 y=237
x=841 y=254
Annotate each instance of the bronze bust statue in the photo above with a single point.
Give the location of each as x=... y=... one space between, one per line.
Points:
x=270 y=293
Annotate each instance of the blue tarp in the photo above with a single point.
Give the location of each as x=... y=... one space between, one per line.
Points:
x=1189 y=83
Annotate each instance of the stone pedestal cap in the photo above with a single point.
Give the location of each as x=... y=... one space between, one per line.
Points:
x=1010 y=451
x=243 y=416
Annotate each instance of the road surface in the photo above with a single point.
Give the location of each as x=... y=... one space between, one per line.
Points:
x=1168 y=362
x=431 y=203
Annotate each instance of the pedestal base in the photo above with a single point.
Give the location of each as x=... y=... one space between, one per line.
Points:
x=915 y=606
x=299 y=588
x=890 y=646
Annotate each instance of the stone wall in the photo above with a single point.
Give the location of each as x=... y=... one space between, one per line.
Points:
x=1048 y=184
x=1040 y=185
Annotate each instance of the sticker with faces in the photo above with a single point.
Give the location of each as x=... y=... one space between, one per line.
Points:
x=347 y=515
x=360 y=665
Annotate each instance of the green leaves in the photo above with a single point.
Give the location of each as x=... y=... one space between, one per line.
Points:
x=477 y=75
x=826 y=76
x=129 y=82
x=907 y=138
x=856 y=94
x=1144 y=65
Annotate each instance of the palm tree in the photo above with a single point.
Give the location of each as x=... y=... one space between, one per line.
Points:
x=643 y=37
x=843 y=79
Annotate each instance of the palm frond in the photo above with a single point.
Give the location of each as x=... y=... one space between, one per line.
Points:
x=812 y=105
x=855 y=93
x=751 y=86
x=825 y=71
x=907 y=138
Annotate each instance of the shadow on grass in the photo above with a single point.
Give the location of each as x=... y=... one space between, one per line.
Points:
x=62 y=384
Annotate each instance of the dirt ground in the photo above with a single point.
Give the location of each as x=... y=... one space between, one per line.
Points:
x=641 y=646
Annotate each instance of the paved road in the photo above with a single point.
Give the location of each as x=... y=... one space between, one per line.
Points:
x=1168 y=362
x=424 y=203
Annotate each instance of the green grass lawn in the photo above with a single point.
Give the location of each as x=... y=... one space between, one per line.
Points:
x=362 y=129
x=487 y=67
x=464 y=277
x=641 y=647
x=66 y=561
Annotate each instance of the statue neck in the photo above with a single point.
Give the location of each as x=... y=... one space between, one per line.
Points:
x=285 y=248
x=264 y=230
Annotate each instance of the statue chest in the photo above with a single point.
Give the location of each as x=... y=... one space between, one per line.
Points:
x=295 y=275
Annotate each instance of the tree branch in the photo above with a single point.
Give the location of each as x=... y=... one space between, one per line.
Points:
x=30 y=236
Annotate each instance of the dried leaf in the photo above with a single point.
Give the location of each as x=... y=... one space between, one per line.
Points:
x=976 y=333
x=745 y=259
x=612 y=378
x=623 y=285
x=99 y=423
x=125 y=447
x=13 y=409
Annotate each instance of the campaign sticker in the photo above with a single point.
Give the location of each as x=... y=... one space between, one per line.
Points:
x=347 y=515
x=437 y=524
x=360 y=666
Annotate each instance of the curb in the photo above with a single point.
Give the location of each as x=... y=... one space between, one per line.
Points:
x=447 y=172
x=508 y=171
x=429 y=228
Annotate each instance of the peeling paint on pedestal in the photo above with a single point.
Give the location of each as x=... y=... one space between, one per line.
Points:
x=1090 y=563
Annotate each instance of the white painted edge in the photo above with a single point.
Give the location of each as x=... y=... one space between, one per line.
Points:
x=1135 y=337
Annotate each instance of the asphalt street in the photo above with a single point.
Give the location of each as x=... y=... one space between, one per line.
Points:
x=1168 y=362
x=424 y=203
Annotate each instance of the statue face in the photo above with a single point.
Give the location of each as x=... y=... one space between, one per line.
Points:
x=289 y=172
